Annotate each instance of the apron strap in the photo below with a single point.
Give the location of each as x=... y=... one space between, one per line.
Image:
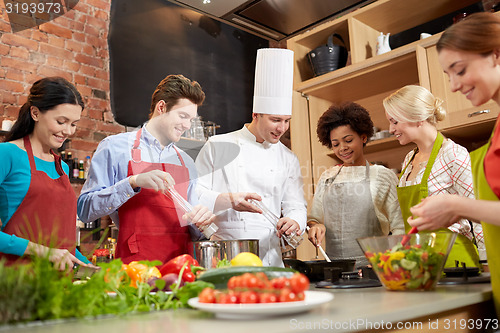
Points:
x=424 y=187
x=29 y=151
x=432 y=158
x=179 y=156
x=57 y=160
x=367 y=171
x=136 y=152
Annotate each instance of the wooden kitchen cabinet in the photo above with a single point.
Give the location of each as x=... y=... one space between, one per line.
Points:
x=369 y=78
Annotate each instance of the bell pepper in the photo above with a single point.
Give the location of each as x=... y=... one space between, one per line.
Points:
x=175 y=265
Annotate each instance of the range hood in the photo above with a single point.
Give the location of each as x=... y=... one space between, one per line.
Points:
x=273 y=19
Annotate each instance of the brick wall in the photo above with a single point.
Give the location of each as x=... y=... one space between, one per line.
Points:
x=73 y=46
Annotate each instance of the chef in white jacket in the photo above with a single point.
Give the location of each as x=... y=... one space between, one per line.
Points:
x=251 y=163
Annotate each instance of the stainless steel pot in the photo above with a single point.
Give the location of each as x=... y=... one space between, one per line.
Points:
x=230 y=248
x=208 y=253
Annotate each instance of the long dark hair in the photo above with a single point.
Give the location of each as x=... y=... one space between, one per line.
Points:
x=45 y=94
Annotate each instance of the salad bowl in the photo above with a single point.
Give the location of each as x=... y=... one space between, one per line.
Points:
x=415 y=265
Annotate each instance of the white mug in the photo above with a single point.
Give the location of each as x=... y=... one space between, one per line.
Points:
x=424 y=35
x=7 y=125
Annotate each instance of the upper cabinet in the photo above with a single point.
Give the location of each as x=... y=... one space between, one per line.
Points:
x=369 y=78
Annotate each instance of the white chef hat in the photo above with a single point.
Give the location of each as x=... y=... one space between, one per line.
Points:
x=273 y=82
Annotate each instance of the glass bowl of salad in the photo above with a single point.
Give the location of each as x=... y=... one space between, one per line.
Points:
x=415 y=265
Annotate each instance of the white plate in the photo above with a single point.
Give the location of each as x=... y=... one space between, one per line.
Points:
x=312 y=300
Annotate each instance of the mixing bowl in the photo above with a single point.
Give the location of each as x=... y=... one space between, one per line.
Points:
x=418 y=265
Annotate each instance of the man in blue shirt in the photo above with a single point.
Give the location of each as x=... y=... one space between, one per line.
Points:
x=130 y=173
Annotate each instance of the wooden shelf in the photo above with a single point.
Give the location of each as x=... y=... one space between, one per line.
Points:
x=369 y=78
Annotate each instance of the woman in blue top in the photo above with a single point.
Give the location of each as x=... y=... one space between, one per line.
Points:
x=37 y=202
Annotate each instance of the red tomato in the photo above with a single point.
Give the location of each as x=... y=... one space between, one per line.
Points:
x=287 y=295
x=207 y=295
x=231 y=284
x=262 y=276
x=264 y=282
x=280 y=283
x=268 y=298
x=301 y=296
x=249 y=296
x=226 y=298
x=299 y=282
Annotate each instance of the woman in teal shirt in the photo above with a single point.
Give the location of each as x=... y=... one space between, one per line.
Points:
x=37 y=202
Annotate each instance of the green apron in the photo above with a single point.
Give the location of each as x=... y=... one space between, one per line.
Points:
x=491 y=232
x=463 y=250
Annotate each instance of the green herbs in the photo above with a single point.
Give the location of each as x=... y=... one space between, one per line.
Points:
x=223 y=263
x=37 y=291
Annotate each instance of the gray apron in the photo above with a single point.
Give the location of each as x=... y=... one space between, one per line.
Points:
x=349 y=214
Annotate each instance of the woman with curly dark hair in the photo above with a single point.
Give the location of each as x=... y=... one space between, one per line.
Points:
x=353 y=199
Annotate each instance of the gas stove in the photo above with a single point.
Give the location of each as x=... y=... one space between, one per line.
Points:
x=364 y=277
x=461 y=274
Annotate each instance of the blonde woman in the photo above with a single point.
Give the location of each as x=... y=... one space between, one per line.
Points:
x=438 y=165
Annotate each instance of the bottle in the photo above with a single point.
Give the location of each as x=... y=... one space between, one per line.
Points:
x=75 y=168
x=81 y=170
x=87 y=167
x=112 y=249
x=69 y=162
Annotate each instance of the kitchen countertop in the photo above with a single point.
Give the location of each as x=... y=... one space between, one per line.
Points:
x=350 y=310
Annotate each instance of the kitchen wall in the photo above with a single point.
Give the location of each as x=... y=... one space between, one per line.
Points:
x=73 y=46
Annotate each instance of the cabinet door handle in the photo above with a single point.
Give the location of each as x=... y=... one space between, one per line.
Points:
x=477 y=113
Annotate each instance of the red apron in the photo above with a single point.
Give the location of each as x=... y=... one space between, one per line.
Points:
x=149 y=222
x=47 y=214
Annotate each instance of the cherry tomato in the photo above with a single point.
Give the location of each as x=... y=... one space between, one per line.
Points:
x=226 y=298
x=249 y=296
x=287 y=295
x=231 y=284
x=268 y=298
x=299 y=282
x=264 y=282
x=207 y=295
x=280 y=283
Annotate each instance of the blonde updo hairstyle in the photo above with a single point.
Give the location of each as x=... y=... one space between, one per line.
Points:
x=413 y=104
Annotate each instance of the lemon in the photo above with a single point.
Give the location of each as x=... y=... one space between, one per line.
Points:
x=246 y=259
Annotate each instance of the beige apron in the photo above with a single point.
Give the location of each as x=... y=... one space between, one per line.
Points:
x=349 y=214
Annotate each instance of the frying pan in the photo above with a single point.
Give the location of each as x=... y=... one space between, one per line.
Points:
x=314 y=269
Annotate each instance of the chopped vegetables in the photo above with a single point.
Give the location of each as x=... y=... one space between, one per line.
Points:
x=408 y=267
